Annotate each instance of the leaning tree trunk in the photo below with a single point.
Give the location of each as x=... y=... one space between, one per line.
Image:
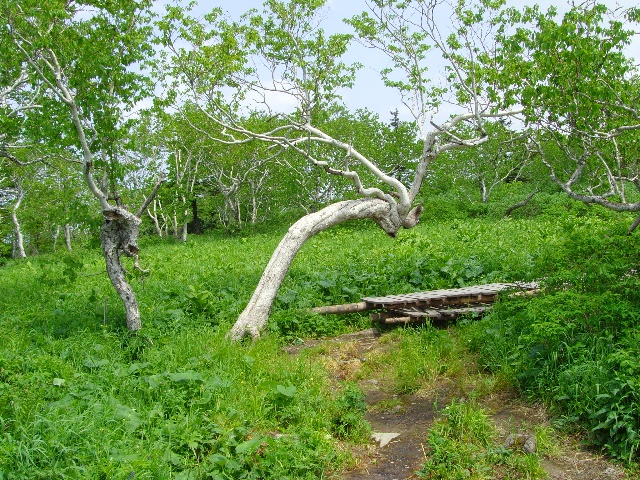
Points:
x=255 y=315
x=119 y=236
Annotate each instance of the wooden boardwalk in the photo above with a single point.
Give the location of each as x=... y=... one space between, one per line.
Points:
x=433 y=305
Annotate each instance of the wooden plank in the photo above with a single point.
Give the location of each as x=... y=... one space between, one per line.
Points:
x=398 y=320
x=461 y=300
x=435 y=302
x=440 y=313
x=383 y=316
x=474 y=294
x=472 y=290
x=433 y=299
x=406 y=313
x=415 y=315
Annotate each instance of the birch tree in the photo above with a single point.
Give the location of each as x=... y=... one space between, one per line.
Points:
x=18 y=242
x=283 y=55
x=80 y=57
x=581 y=94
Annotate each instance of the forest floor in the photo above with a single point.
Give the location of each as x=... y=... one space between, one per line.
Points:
x=407 y=418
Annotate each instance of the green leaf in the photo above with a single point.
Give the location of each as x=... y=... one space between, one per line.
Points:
x=186 y=475
x=286 y=391
x=172 y=457
x=188 y=376
x=95 y=362
x=128 y=416
x=136 y=367
x=123 y=457
x=248 y=360
x=248 y=445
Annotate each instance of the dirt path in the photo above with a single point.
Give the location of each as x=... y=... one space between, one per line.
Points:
x=401 y=422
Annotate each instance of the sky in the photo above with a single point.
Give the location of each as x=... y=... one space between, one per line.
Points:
x=369 y=91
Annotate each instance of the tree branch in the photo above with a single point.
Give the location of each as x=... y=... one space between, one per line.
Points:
x=150 y=197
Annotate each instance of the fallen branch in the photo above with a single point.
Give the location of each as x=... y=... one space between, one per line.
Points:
x=346 y=308
x=520 y=204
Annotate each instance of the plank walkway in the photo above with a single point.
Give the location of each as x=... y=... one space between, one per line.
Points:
x=433 y=305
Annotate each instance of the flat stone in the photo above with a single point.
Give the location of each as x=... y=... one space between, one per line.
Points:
x=522 y=441
x=384 y=438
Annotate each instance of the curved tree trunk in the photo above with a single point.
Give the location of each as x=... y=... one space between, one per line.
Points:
x=120 y=237
x=521 y=204
x=255 y=315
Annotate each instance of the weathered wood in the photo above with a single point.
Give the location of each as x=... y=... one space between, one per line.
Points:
x=345 y=308
x=383 y=316
x=397 y=320
x=417 y=316
x=453 y=296
x=255 y=315
x=440 y=314
x=433 y=305
x=414 y=313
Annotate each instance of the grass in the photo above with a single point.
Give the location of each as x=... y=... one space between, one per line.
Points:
x=464 y=444
x=80 y=397
x=575 y=346
x=190 y=404
x=83 y=398
x=415 y=359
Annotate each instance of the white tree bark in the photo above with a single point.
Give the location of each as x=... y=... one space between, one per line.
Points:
x=19 y=241
x=120 y=235
x=386 y=199
x=154 y=217
x=67 y=236
x=56 y=235
x=121 y=228
x=183 y=232
x=186 y=175
x=254 y=317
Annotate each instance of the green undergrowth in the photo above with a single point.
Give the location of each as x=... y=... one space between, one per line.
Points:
x=107 y=404
x=576 y=344
x=464 y=444
x=342 y=265
x=82 y=398
x=414 y=358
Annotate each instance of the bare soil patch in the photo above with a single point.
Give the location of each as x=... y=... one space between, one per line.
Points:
x=411 y=416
